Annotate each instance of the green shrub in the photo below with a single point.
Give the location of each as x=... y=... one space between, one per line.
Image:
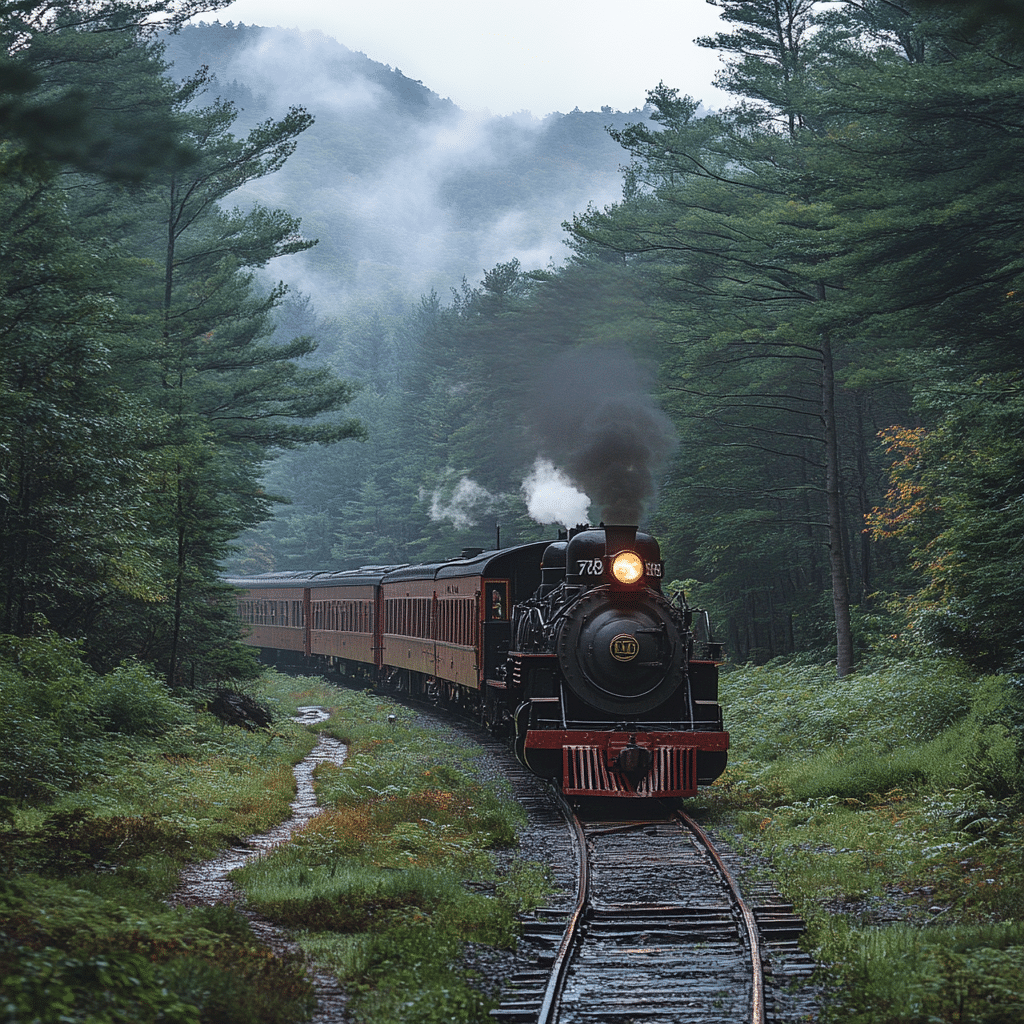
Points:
x=131 y=701
x=901 y=975
x=50 y=987
x=46 y=678
x=35 y=763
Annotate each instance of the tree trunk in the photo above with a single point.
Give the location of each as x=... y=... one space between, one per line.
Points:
x=833 y=498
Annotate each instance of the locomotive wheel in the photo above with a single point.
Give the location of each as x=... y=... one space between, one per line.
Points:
x=618 y=655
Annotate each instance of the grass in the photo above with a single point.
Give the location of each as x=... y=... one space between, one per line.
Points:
x=398 y=873
x=102 y=800
x=108 y=785
x=891 y=805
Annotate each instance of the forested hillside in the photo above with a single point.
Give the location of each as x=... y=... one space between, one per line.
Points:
x=405 y=192
x=820 y=287
x=823 y=282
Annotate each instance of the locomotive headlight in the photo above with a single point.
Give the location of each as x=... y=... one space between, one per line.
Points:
x=627 y=567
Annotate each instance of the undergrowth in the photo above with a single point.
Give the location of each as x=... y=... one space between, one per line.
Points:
x=398 y=872
x=891 y=804
x=108 y=785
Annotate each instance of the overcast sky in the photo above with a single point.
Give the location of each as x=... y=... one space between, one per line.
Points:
x=536 y=55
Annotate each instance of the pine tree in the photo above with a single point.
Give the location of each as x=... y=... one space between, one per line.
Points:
x=144 y=388
x=230 y=394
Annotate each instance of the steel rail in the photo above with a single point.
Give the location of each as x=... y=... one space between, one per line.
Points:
x=563 y=957
x=757 y=972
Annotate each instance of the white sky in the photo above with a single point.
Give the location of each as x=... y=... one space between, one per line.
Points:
x=536 y=55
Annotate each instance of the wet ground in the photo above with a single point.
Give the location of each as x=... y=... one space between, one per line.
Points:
x=208 y=882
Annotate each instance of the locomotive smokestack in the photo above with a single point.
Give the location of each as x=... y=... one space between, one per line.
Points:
x=619 y=538
x=594 y=418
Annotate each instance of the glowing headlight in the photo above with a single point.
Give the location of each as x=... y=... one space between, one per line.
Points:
x=627 y=567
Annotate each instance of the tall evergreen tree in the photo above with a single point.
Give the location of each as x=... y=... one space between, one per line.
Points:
x=60 y=104
x=146 y=392
x=229 y=393
x=71 y=469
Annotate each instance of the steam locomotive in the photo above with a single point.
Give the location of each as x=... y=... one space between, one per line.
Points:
x=570 y=647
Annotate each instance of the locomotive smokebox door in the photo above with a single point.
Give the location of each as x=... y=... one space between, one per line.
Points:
x=619 y=655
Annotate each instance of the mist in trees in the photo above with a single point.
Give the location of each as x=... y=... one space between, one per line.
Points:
x=819 y=285
x=831 y=257
x=143 y=388
x=406 y=192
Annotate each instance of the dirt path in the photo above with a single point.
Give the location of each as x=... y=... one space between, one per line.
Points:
x=208 y=882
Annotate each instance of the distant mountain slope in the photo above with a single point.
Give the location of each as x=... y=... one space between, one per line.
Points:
x=405 y=191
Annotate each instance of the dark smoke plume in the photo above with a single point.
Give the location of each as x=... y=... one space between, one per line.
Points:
x=594 y=418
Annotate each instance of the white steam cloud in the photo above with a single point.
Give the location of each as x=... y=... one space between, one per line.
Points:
x=552 y=498
x=462 y=502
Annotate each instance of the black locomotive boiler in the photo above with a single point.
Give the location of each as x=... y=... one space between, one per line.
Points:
x=570 y=647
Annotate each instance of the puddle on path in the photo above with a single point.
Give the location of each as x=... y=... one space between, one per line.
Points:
x=208 y=881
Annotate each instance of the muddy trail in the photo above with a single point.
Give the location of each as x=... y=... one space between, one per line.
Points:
x=207 y=882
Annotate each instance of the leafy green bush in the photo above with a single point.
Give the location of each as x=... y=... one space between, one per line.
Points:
x=53 y=708
x=901 y=975
x=49 y=986
x=35 y=763
x=46 y=677
x=131 y=701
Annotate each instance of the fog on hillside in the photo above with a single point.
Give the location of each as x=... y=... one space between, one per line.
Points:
x=405 y=191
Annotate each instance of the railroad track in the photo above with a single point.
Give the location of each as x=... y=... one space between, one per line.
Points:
x=649 y=925
x=660 y=934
